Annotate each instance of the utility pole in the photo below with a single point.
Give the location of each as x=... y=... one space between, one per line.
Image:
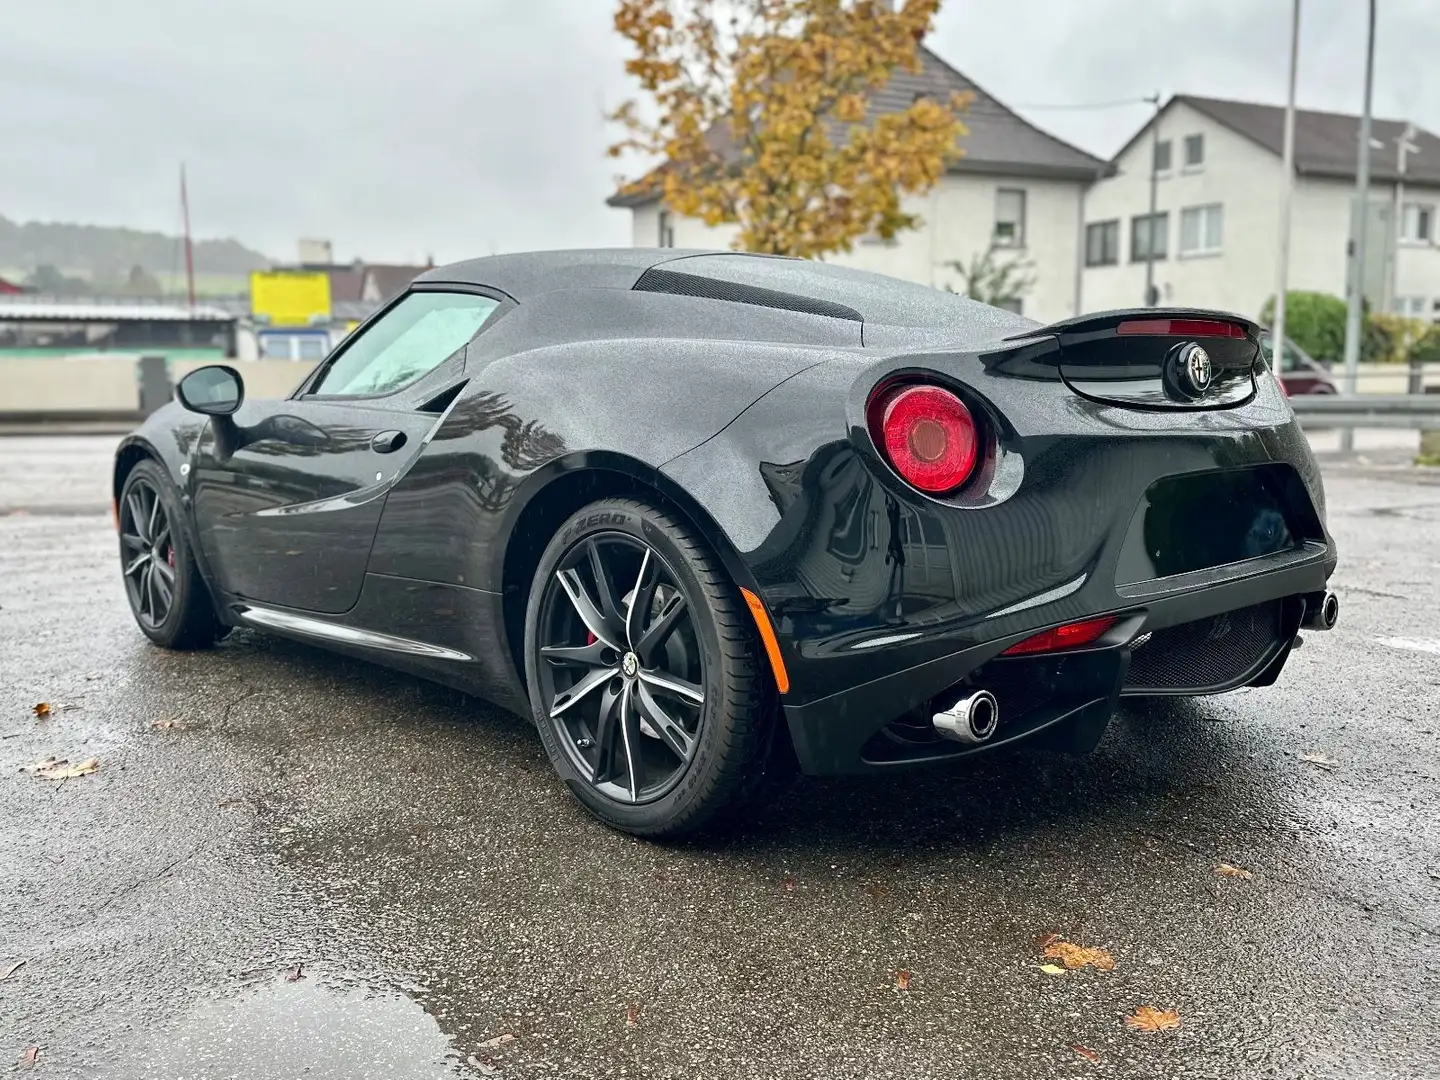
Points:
x=1357 y=254
x=189 y=250
x=1287 y=185
x=1150 y=296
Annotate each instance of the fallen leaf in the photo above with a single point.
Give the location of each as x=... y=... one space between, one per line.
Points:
x=788 y=883
x=1052 y=969
x=1044 y=941
x=1146 y=1018
x=295 y=974
x=485 y=1067
x=876 y=889
x=1085 y=1052
x=902 y=980
x=62 y=769
x=1320 y=760
x=498 y=1040
x=29 y=1056
x=42 y=710
x=169 y=722
x=16 y=966
x=632 y=1016
x=1226 y=870
x=1078 y=956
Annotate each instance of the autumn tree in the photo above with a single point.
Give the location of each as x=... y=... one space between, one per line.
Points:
x=764 y=114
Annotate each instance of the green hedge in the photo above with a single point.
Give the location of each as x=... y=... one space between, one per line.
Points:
x=1314 y=321
x=1427 y=349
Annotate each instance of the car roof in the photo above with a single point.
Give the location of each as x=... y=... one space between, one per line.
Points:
x=801 y=285
x=528 y=274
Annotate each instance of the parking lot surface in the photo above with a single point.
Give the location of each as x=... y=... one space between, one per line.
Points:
x=292 y=864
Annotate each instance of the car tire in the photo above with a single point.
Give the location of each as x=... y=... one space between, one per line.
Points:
x=168 y=597
x=603 y=719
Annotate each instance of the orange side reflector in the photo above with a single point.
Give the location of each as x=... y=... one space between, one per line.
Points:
x=767 y=635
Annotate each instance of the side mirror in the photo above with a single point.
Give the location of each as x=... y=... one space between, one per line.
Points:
x=215 y=390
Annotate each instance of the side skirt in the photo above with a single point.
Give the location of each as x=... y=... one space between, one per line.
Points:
x=345 y=635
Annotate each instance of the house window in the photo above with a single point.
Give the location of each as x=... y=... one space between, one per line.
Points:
x=1162 y=156
x=1417 y=223
x=666 y=231
x=1194 y=151
x=1410 y=306
x=1010 y=217
x=1102 y=243
x=1202 y=229
x=1141 y=231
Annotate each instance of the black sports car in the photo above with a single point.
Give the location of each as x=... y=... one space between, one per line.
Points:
x=701 y=514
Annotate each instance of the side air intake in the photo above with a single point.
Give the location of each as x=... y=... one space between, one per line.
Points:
x=677 y=284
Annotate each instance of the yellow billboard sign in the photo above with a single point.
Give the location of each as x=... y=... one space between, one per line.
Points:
x=290 y=297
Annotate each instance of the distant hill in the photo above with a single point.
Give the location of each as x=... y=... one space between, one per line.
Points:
x=102 y=251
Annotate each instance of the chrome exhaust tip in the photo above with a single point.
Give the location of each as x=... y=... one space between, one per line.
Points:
x=971 y=720
x=1324 y=615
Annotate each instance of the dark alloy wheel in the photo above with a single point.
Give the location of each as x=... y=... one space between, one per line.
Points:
x=167 y=595
x=622 y=673
x=148 y=549
x=645 y=673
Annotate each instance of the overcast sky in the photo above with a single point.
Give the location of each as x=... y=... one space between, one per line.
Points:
x=461 y=127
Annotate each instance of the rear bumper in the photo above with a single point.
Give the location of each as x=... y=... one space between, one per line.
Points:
x=1253 y=616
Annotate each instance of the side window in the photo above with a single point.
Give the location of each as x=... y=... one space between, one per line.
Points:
x=413 y=338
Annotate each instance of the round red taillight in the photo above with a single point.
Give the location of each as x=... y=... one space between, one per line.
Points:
x=927 y=434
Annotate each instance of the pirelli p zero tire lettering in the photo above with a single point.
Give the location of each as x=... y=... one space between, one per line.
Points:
x=644 y=672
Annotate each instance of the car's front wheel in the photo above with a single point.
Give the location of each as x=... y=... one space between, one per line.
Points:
x=644 y=672
x=169 y=600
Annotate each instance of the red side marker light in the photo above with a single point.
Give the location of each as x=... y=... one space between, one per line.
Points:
x=1070 y=636
x=1192 y=328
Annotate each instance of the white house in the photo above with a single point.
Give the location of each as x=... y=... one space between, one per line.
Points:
x=1219 y=167
x=1016 y=186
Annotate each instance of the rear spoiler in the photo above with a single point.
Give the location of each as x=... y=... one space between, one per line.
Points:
x=1081 y=327
x=1109 y=337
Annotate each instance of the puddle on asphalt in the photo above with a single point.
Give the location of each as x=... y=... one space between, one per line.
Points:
x=305 y=1028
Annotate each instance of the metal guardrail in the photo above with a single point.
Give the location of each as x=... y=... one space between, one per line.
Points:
x=1418 y=412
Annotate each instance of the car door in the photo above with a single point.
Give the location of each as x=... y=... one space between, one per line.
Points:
x=286 y=506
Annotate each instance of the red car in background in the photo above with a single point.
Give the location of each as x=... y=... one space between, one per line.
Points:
x=1299 y=373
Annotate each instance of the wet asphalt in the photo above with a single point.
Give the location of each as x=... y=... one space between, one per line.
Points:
x=291 y=864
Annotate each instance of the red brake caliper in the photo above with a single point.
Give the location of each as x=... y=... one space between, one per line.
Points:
x=589 y=638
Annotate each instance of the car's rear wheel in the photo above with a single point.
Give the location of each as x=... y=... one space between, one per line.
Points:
x=644 y=672
x=169 y=600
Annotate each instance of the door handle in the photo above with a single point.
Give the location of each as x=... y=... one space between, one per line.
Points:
x=387 y=442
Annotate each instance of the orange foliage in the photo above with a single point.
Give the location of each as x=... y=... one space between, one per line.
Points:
x=762 y=112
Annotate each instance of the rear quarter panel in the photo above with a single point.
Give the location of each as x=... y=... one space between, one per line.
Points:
x=528 y=418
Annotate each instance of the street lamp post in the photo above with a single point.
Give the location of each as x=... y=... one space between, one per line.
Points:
x=1357 y=252
x=1287 y=184
x=1150 y=297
